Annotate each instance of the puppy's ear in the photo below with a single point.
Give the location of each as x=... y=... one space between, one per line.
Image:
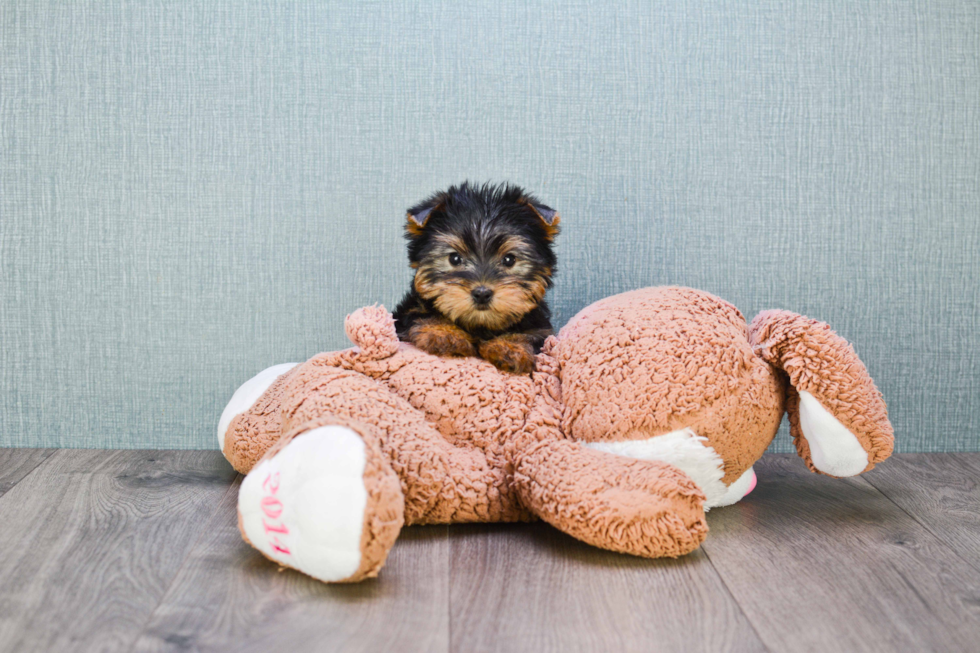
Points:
x=419 y=215
x=548 y=216
x=417 y=220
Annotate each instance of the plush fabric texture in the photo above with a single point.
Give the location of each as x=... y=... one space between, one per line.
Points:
x=455 y=440
x=652 y=361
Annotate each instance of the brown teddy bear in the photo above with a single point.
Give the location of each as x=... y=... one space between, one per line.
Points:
x=647 y=409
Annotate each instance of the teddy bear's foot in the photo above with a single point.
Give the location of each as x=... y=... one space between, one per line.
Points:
x=737 y=490
x=247 y=394
x=690 y=453
x=326 y=504
x=249 y=424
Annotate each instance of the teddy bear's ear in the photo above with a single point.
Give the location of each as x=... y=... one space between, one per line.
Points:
x=419 y=215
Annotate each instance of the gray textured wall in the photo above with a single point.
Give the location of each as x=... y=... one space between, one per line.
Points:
x=192 y=191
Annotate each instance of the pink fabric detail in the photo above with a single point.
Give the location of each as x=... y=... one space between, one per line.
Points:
x=274 y=479
x=272 y=507
x=279 y=546
x=280 y=528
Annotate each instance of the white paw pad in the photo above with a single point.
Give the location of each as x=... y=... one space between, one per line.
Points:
x=833 y=449
x=685 y=450
x=246 y=396
x=737 y=490
x=305 y=506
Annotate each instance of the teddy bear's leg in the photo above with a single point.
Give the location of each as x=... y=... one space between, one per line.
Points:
x=642 y=507
x=323 y=501
x=351 y=459
x=251 y=421
x=441 y=482
x=837 y=417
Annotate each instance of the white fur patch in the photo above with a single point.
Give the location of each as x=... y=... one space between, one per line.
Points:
x=737 y=490
x=833 y=449
x=305 y=506
x=683 y=449
x=246 y=396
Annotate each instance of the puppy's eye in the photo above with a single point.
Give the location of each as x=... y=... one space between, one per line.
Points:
x=509 y=260
x=455 y=259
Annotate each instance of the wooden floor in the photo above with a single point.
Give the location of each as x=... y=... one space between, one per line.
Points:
x=139 y=550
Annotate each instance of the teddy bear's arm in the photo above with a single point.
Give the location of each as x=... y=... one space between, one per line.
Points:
x=837 y=416
x=645 y=508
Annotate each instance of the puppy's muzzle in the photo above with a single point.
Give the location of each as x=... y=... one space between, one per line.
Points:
x=481 y=297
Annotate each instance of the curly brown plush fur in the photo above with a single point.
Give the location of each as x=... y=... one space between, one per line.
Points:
x=647 y=408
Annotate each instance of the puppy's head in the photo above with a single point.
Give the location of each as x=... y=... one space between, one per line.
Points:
x=482 y=254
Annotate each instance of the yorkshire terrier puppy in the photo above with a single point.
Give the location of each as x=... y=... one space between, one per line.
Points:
x=483 y=261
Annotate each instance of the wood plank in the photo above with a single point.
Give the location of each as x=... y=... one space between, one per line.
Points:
x=229 y=598
x=92 y=539
x=822 y=564
x=529 y=587
x=15 y=464
x=941 y=492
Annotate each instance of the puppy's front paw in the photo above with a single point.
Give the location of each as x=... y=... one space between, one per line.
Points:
x=508 y=355
x=442 y=340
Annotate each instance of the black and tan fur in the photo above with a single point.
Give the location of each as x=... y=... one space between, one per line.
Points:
x=483 y=261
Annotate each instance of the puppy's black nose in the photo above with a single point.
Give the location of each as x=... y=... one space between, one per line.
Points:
x=482 y=295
